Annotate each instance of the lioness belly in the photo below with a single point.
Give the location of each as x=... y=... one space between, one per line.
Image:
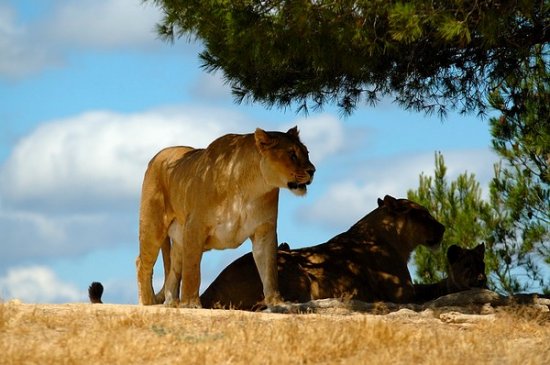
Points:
x=215 y=243
x=230 y=233
x=229 y=229
x=218 y=239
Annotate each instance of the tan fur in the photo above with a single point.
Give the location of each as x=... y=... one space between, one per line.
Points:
x=466 y=271
x=216 y=198
x=368 y=262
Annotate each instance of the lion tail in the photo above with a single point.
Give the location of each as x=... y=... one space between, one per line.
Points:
x=95 y=291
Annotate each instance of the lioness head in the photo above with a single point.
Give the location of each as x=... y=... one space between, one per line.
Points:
x=414 y=223
x=284 y=160
x=466 y=267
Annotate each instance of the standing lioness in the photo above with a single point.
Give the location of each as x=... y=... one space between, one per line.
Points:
x=216 y=198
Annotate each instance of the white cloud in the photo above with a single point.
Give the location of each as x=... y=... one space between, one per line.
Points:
x=18 y=55
x=211 y=86
x=37 y=284
x=348 y=199
x=100 y=156
x=27 y=47
x=323 y=134
x=103 y=23
x=30 y=235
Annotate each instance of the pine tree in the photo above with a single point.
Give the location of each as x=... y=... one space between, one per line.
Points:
x=520 y=190
x=517 y=243
x=457 y=205
x=428 y=55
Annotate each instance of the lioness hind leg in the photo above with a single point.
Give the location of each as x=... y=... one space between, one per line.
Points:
x=173 y=277
x=146 y=295
x=152 y=233
x=166 y=252
x=171 y=289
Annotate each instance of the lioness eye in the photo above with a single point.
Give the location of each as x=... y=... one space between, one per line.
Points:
x=293 y=156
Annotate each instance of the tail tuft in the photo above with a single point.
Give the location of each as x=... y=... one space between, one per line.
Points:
x=284 y=247
x=95 y=291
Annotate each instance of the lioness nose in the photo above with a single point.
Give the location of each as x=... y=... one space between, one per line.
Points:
x=311 y=171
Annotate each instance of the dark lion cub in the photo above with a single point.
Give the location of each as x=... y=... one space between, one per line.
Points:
x=466 y=271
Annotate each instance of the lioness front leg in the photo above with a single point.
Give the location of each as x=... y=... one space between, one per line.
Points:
x=152 y=234
x=264 y=250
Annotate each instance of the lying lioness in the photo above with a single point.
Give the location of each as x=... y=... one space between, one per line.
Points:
x=368 y=262
x=466 y=271
x=216 y=198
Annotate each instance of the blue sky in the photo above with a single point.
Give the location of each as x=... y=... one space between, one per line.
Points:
x=88 y=94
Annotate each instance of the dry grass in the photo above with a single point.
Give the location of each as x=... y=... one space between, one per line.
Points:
x=124 y=334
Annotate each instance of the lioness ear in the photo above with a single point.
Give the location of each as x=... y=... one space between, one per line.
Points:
x=380 y=202
x=453 y=253
x=390 y=202
x=480 y=249
x=264 y=140
x=294 y=131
